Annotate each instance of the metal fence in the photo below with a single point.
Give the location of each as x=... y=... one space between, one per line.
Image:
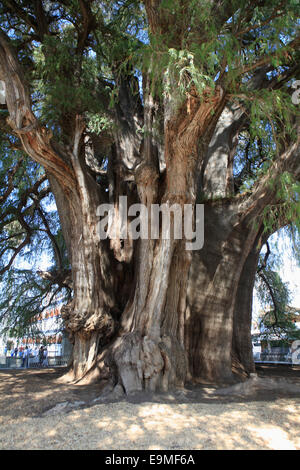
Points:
x=33 y=362
x=63 y=361
x=274 y=358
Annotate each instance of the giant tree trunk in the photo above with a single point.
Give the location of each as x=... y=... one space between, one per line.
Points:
x=215 y=283
x=149 y=352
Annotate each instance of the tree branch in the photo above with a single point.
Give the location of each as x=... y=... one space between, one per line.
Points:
x=36 y=140
x=263 y=193
x=265 y=260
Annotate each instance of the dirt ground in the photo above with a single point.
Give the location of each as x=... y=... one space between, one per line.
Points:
x=38 y=412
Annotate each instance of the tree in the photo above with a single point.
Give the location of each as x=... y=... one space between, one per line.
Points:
x=279 y=318
x=28 y=229
x=163 y=102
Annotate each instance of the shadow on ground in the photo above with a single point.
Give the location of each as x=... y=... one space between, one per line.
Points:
x=31 y=393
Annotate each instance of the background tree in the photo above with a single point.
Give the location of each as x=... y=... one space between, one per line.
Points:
x=164 y=102
x=277 y=322
x=28 y=231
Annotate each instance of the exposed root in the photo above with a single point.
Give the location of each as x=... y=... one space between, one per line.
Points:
x=150 y=364
x=136 y=363
x=67 y=378
x=238 y=368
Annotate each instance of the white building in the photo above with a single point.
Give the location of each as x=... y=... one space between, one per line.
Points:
x=47 y=330
x=275 y=348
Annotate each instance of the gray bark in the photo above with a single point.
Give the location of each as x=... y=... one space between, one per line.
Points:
x=213 y=283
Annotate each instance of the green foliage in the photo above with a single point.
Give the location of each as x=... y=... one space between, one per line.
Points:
x=23 y=295
x=24 y=240
x=283 y=328
x=181 y=73
x=287 y=210
x=62 y=87
x=97 y=123
x=276 y=292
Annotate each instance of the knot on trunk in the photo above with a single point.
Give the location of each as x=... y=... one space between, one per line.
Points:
x=88 y=322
